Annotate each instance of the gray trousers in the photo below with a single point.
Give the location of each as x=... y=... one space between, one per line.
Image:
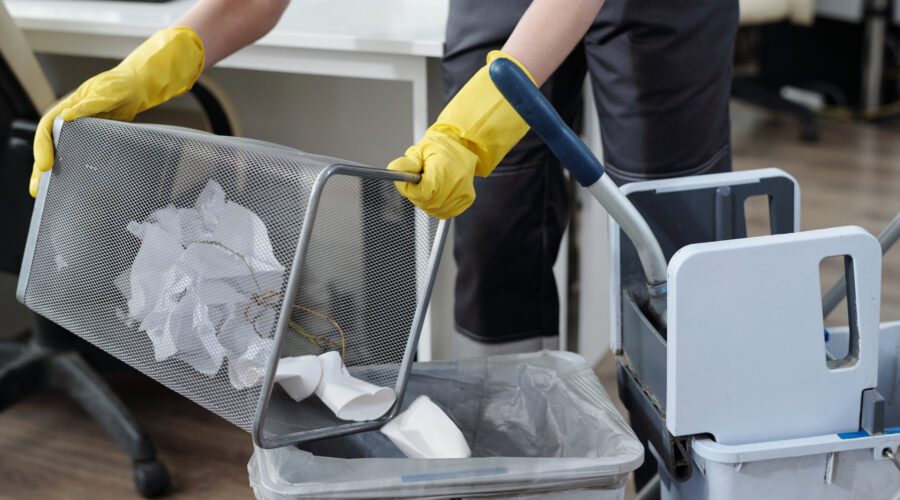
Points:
x=661 y=74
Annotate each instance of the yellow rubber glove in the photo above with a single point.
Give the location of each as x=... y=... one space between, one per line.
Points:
x=166 y=65
x=470 y=137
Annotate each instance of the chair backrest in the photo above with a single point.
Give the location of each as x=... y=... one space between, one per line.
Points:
x=22 y=82
x=24 y=94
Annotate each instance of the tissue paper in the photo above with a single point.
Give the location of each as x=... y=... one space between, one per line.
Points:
x=202 y=285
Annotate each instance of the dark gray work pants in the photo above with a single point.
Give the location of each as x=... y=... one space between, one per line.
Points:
x=661 y=74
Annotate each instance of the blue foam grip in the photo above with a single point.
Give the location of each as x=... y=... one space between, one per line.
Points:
x=540 y=115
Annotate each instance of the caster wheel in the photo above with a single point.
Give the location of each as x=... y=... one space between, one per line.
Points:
x=151 y=479
x=810 y=133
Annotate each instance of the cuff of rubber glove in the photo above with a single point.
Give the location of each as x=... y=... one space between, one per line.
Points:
x=499 y=54
x=194 y=38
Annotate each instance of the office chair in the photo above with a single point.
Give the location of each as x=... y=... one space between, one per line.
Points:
x=52 y=358
x=756 y=16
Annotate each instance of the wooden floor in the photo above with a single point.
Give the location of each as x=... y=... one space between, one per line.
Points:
x=50 y=449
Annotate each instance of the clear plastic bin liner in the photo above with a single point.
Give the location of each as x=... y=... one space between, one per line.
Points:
x=535 y=423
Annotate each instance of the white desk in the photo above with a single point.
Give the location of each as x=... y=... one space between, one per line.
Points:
x=393 y=40
x=383 y=39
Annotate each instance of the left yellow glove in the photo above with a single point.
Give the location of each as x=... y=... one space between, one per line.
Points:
x=473 y=133
x=166 y=65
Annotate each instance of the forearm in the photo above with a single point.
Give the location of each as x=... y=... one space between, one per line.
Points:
x=226 y=26
x=548 y=32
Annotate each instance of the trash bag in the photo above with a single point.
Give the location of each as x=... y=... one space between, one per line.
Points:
x=535 y=422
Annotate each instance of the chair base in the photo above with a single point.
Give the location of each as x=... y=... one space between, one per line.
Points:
x=761 y=94
x=50 y=361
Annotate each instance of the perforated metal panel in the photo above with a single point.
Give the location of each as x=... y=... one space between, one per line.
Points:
x=355 y=261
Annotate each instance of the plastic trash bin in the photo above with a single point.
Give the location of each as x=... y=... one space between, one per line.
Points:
x=538 y=424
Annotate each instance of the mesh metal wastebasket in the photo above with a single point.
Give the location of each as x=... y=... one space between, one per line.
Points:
x=202 y=260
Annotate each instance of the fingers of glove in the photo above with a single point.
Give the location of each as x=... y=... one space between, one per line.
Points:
x=34 y=182
x=450 y=169
x=90 y=106
x=412 y=164
x=72 y=107
x=444 y=190
x=452 y=207
x=114 y=94
x=43 y=142
x=454 y=197
x=444 y=208
x=83 y=102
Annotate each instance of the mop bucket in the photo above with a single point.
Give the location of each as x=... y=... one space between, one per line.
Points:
x=203 y=260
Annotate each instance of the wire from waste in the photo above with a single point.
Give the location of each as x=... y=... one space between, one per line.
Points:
x=271 y=293
x=314 y=339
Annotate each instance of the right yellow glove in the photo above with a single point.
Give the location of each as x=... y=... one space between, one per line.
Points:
x=166 y=65
x=473 y=133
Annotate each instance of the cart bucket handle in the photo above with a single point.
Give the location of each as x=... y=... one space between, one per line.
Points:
x=584 y=166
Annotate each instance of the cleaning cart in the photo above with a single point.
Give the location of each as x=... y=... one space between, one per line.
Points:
x=743 y=395
x=732 y=383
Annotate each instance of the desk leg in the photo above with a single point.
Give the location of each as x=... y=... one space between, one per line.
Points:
x=873 y=66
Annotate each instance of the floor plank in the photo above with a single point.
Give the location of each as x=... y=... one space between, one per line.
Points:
x=51 y=449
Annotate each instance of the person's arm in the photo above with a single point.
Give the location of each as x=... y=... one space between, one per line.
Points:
x=547 y=33
x=166 y=65
x=478 y=127
x=226 y=26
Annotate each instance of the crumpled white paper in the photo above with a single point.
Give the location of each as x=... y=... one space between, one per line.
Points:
x=202 y=286
x=424 y=431
x=349 y=397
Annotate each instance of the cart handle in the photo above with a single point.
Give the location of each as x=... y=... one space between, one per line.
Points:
x=574 y=154
x=540 y=115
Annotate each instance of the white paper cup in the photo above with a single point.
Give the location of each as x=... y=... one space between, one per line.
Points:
x=299 y=376
x=425 y=431
x=349 y=397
